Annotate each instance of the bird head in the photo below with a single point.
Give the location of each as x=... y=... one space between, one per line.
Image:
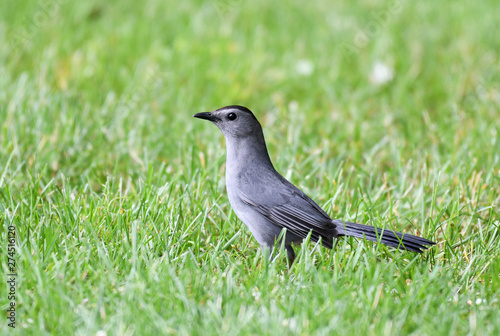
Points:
x=234 y=121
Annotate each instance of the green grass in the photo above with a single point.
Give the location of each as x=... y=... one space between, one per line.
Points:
x=118 y=196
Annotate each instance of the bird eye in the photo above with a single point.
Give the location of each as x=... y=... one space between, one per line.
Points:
x=231 y=116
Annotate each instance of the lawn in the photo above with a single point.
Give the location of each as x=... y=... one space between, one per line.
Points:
x=384 y=112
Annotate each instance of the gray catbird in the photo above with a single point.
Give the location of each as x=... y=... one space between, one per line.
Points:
x=267 y=203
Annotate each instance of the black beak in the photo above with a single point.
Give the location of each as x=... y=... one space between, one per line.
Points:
x=207 y=116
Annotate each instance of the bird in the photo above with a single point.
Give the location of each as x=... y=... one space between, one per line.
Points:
x=267 y=203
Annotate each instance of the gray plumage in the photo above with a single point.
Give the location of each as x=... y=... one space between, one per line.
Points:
x=268 y=203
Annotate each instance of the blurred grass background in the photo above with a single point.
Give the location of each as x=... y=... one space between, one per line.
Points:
x=385 y=112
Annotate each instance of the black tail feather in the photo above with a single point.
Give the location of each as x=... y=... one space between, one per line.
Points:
x=395 y=239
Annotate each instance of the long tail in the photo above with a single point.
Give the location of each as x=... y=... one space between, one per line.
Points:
x=399 y=240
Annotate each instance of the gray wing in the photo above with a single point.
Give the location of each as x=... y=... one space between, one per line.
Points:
x=290 y=208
